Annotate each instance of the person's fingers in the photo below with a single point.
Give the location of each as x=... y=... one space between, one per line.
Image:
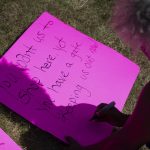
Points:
x=100 y=115
x=113 y=116
x=99 y=111
x=104 y=114
x=100 y=106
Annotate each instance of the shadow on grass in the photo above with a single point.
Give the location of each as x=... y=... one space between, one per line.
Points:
x=27 y=97
x=34 y=138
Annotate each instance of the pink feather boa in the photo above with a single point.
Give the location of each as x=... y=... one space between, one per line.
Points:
x=131 y=21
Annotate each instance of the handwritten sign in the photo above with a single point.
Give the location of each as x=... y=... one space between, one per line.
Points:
x=6 y=143
x=55 y=76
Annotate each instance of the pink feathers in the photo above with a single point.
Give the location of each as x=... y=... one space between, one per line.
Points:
x=131 y=21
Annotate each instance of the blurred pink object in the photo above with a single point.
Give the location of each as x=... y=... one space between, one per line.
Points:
x=131 y=21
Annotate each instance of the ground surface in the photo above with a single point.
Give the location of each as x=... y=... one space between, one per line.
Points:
x=93 y=20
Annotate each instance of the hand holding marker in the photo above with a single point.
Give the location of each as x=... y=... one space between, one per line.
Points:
x=104 y=110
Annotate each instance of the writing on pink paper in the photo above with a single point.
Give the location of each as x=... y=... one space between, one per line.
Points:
x=55 y=76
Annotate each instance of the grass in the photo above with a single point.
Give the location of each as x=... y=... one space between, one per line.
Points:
x=92 y=19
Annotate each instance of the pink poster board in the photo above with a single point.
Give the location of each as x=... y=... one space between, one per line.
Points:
x=67 y=74
x=6 y=143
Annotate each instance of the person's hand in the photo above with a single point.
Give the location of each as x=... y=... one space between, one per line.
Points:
x=112 y=116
